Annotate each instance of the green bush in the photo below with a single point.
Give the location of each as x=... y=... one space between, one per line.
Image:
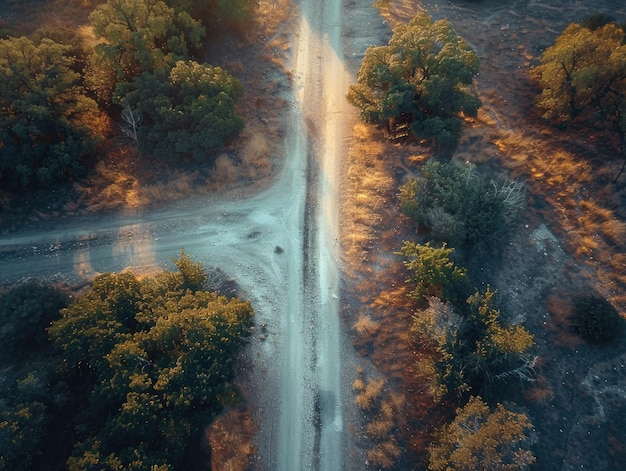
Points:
x=25 y=312
x=461 y=207
x=596 y=319
x=432 y=271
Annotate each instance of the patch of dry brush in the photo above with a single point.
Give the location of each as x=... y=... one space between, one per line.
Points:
x=230 y=439
x=384 y=417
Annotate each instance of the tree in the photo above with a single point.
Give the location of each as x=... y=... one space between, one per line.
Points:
x=583 y=77
x=433 y=273
x=21 y=435
x=497 y=350
x=156 y=359
x=143 y=36
x=45 y=115
x=474 y=350
x=189 y=111
x=478 y=438
x=421 y=78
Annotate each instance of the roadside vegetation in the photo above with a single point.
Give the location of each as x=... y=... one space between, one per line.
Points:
x=126 y=376
x=419 y=83
x=444 y=339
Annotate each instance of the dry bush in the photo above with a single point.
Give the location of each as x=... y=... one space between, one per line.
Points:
x=370 y=396
x=255 y=156
x=397 y=12
x=271 y=14
x=384 y=455
x=560 y=308
x=541 y=391
x=223 y=173
x=374 y=388
x=110 y=188
x=379 y=428
x=358 y=385
x=364 y=401
x=230 y=438
x=365 y=326
x=618 y=262
x=614 y=231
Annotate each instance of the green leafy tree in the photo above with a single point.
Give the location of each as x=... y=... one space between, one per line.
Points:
x=190 y=111
x=143 y=36
x=422 y=78
x=432 y=271
x=583 y=77
x=87 y=331
x=21 y=434
x=45 y=115
x=478 y=438
x=159 y=355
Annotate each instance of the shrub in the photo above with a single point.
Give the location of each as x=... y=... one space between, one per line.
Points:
x=432 y=272
x=479 y=438
x=420 y=80
x=25 y=312
x=596 y=319
x=459 y=205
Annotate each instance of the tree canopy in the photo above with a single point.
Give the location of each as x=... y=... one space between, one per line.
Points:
x=25 y=311
x=583 y=75
x=136 y=369
x=462 y=207
x=478 y=438
x=422 y=78
x=143 y=36
x=155 y=360
x=175 y=106
x=188 y=111
x=45 y=115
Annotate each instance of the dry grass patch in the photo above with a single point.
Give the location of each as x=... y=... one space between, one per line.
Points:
x=369 y=188
x=365 y=326
x=230 y=438
x=397 y=12
x=113 y=185
x=358 y=385
x=255 y=155
x=384 y=455
x=384 y=417
x=560 y=308
x=541 y=391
